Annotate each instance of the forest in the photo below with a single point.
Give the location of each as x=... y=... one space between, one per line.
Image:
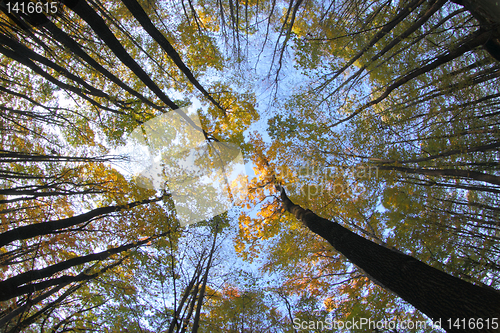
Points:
x=249 y=166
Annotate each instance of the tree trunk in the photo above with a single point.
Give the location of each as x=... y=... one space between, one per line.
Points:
x=482 y=148
x=99 y=26
x=442 y=297
x=196 y=321
x=475 y=39
x=45 y=228
x=22 y=283
x=487 y=13
x=455 y=173
x=188 y=291
x=135 y=8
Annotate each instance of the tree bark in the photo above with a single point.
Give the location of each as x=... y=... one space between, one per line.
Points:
x=468 y=174
x=442 y=297
x=475 y=39
x=135 y=8
x=487 y=13
x=100 y=27
x=22 y=283
x=45 y=228
x=482 y=148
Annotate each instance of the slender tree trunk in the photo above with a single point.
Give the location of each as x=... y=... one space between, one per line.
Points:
x=38 y=70
x=482 y=148
x=72 y=45
x=135 y=8
x=21 y=326
x=45 y=228
x=97 y=24
x=468 y=174
x=433 y=7
x=196 y=321
x=442 y=297
x=187 y=316
x=29 y=303
x=22 y=283
x=196 y=275
x=381 y=33
x=475 y=39
x=7 y=156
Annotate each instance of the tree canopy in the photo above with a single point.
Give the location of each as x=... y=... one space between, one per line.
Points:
x=370 y=135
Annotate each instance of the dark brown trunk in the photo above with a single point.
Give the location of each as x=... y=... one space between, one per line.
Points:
x=467 y=174
x=472 y=41
x=442 y=297
x=12 y=287
x=100 y=27
x=45 y=228
x=487 y=13
x=135 y=8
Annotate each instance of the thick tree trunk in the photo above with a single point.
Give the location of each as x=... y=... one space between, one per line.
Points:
x=440 y=296
x=487 y=13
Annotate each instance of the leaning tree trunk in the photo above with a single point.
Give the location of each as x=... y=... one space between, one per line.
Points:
x=487 y=13
x=442 y=297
